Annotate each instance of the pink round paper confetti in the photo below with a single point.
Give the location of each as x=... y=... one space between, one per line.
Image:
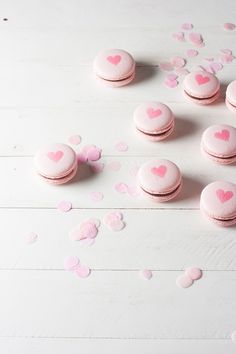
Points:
x=97 y=167
x=114 y=166
x=184 y=281
x=94 y=221
x=112 y=216
x=97 y=196
x=93 y=153
x=84 y=230
x=178 y=62
x=192 y=53
x=70 y=263
x=187 y=26
x=195 y=38
x=229 y=26
x=194 y=273
x=121 y=187
x=166 y=66
x=75 y=139
x=226 y=51
x=171 y=83
x=171 y=77
x=179 y=36
x=226 y=58
x=146 y=274
x=233 y=337
x=216 y=67
x=121 y=146
x=64 y=206
x=87 y=241
x=31 y=237
x=116 y=225
x=82 y=271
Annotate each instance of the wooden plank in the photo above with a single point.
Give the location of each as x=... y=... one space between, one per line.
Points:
x=106 y=346
x=116 y=305
x=146 y=241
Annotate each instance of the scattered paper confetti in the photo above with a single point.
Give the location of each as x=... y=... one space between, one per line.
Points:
x=229 y=26
x=171 y=83
x=71 y=262
x=93 y=153
x=96 y=196
x=195 y=38
x=121 y=187
x=95 y=221
x=216 y=67
x=184 y=281
x=166 y=66
x=75 y=139
x=226 y=51
x=82 y=271
x=31 y=237
x=97 y=167
x=226 y=58
x=171 y=76
x=192 y=53
x=179 y=36
x=114 y=221
x=121 y=146
x=116 y=225
x=187 y=26
x=178 y=62
x=146 y=274
x=85 y=230
x=194 y=273
x=64 y=206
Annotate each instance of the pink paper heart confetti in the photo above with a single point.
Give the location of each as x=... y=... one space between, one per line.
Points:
x=75 y=139
x=146 y=274
x=70 y=263
x=64 y=206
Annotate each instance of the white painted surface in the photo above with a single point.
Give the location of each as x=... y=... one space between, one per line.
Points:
x=47 y=93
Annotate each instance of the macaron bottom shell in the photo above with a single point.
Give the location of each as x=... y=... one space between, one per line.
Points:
x=218 y=221
x=156 y=136
x=161 y=198
x=202 y=101
x=230 y=106
x=218 y=159
x=117 y=83
x=61 y=180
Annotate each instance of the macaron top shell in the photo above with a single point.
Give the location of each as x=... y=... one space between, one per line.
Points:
x=220 y=140
x=55 y=160
x=151 y=117
x=159 y=176
x=201 y=84
x=114 y=64
x=231 y=93
x=218 y=200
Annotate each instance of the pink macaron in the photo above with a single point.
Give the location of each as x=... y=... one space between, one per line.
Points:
x=160 y=180
x=218 y=203
x=154 y=120
x=219 y=143
x=231 y=96
x=201 y=87
x=114 y=67
x=56 y=163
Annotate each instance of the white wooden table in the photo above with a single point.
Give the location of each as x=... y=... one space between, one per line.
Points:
x=47 y=93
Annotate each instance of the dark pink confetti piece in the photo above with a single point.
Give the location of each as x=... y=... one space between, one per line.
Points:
x=192 y=53
x=229 y=26
x=178 y=62
x=179 y=36
x=187 y=26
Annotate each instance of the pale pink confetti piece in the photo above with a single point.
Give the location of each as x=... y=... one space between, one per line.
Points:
x=229 y=26
x=88 y=241
x=75 y=139
x=182 y=71
x=133 y=191
x=111 y=217
x=97 y=167
x=83 y=271
x=210 y=70
x=94 y=221
x=233 y=337
x=31 y=237
x=187 y=26
x=114 y=166
x=116 y=225
x=121 y=146
x=171 y=77
x=226 y=58
x=195 y=38
x=226 y=51
x=184 y=281
x=192 y=53
x=200 y=45
x=83 y=231
x=178 y=62
x=97 y=196
x=146 y=274
x=94 y=153
x=179 y=36
x=166 y=66
x=64 y=206
x=121 y=187
x=171 y=83
x=216 y=66
x=70 y=263
x=194 y=273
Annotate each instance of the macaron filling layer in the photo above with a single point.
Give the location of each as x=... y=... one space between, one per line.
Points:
x=233 y=105
x=218 y=218
x=217 y=155
x=163 y=194
x=129 y=76
x=157 y=133
x=201 y=98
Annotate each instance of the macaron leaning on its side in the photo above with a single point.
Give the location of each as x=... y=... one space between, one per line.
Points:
x=201 y=87
x=160 y=180
x=219 y=143
x=231 y=96
x=56 y=163
x=154 y=120
x=114 y=67
x=218 y=203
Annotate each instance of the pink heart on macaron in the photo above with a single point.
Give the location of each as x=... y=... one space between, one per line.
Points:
x=153 y=113
x=55 y=156
x=114 y=59
x=223 y=135
x=202 y=79
x=224 y=196
x=159 y=171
